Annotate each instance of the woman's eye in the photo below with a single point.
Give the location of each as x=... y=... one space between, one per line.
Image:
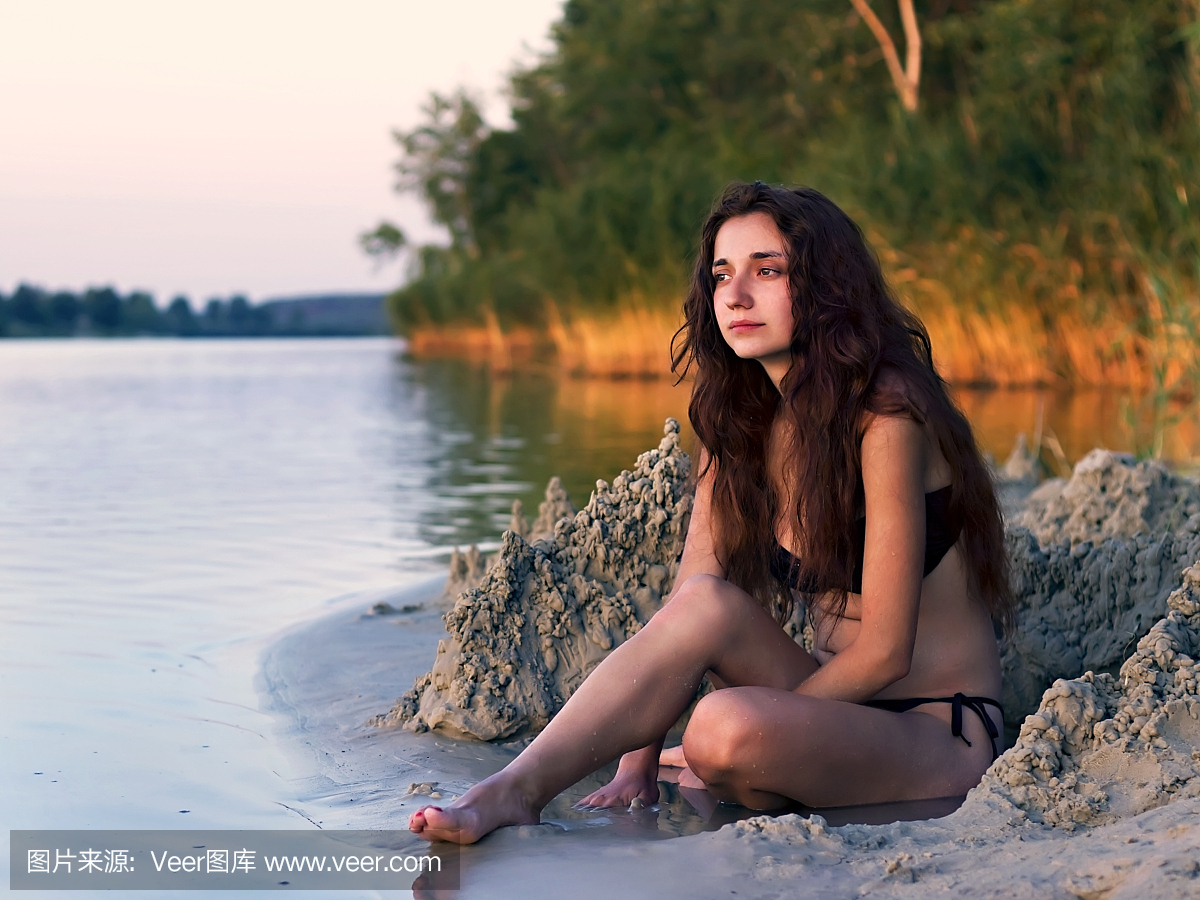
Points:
x=767 y=271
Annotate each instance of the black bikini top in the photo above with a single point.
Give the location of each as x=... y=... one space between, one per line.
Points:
x=941 y=533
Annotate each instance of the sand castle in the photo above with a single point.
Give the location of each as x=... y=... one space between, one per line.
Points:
x=547 y=612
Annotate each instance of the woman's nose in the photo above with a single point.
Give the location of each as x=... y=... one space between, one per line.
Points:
x=737 y=294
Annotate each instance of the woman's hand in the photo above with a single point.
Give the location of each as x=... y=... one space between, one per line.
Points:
x=636 y=778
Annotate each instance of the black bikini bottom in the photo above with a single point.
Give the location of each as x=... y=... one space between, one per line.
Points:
x=958 y=701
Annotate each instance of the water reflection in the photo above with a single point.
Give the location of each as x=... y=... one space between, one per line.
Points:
x=495 y=439
x=1072 y=423
x=498 y=438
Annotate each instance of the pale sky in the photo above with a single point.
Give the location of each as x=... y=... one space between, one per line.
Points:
x=227 y=147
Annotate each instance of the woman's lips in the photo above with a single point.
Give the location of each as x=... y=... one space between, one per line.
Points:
x=743 y=325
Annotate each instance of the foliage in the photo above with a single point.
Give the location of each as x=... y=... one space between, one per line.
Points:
x=384 y=241
x=1066 y=131
x=103 y=312
x=1168 y=330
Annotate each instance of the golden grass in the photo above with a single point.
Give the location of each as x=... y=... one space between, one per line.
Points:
x=998 y=316
x=998 y=348
x=1016 y=315
x=501 y=350
x=632 y=342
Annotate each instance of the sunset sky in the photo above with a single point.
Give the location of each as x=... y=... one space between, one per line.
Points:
x=227 y=147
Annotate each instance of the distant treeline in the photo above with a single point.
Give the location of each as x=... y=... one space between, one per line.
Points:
x=104 y=312
x=1049 y=157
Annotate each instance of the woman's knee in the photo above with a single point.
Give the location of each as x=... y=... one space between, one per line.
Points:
x=721 y=735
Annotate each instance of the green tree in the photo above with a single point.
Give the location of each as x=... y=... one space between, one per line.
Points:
x=437 y=156
x=215 y=320
x=139 y=315
x=239 y=315
x=180 y=320
x=28 y=307
x=103 y=309
x=1068 y=126
x=65 y=309
x=384 y=241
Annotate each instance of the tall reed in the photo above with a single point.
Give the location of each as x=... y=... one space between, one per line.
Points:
x=632 y=341
x=1080 y=308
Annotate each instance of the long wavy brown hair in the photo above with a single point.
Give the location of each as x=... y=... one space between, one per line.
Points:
x=849 y=331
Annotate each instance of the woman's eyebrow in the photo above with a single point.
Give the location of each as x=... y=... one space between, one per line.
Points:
x=760 y=254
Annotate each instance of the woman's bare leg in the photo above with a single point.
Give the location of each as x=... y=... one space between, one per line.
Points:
x=630 y=701
x=763 y=747
x=638 y=770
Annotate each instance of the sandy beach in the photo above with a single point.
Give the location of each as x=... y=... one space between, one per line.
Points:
x=1096 y=797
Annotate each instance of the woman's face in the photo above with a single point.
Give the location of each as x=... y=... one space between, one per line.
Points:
x=753 y=300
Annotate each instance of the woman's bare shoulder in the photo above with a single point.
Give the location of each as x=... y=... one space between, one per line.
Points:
x=889 y=441
x=898 y=434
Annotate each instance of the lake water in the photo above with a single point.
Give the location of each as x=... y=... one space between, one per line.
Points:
x=167 y=507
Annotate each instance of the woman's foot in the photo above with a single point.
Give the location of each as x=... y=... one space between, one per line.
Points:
x=491 y=804
x=673 y=756
x=623 y=790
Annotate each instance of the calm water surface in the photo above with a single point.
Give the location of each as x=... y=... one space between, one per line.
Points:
x=167 y=506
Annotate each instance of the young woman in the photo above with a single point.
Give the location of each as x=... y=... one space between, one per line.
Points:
x=834 y=469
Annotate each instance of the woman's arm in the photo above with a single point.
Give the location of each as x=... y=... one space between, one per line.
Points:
x=699 y=548
x=894 y=457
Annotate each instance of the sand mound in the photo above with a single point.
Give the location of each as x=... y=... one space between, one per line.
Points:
x=1101 y=748
x=1111 y=496
x=1022 y=465
x=546 y=613
x=1093 y=562
x=1083 y=607
x=466 y=571
x=554 y=508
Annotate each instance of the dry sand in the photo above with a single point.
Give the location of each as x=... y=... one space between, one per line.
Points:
x=1094 y=559
x=1098 y=797
x=1109 y=495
